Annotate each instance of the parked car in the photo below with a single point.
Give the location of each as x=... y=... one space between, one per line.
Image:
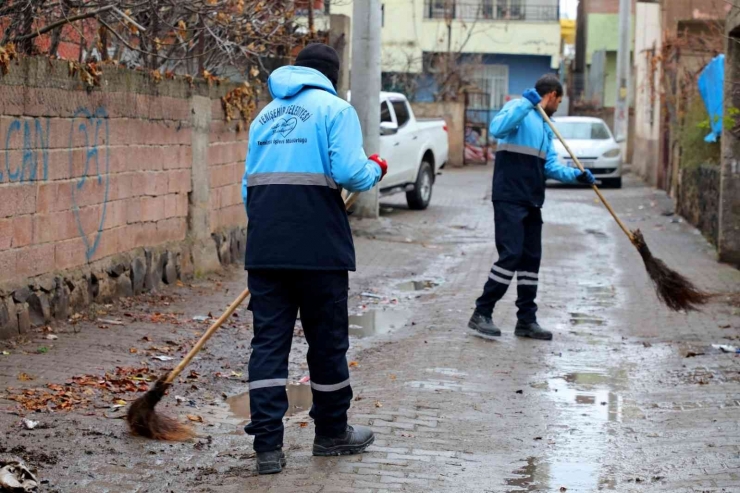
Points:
x=594 y=145
x=415 y=148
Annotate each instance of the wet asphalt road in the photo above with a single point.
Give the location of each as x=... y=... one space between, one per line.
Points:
x=628 y=397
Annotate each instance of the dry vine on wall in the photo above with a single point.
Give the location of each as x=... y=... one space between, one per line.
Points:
x=214 y=39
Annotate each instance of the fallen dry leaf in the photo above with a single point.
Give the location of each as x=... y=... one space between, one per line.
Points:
x=392 y=377
x=133 y=350
x=146 y=339
x=353 y=364
x=303 y=424
x=195 y=418
x=378 y=404
x=25 y=377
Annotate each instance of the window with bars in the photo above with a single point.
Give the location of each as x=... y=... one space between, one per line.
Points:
x=470 y=10
x=492 y=80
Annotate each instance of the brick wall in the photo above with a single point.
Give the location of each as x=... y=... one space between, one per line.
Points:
x=226 y=154
x=92 y=176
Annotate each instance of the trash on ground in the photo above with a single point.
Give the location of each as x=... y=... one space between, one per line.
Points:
x=200 y=318
x=371 y=295
x=15 y=476
x=163 y=358
x=726 y=348
x=52 y=337
x=109 y=321
x=29 y=424
x=306 y=379
x=5 y=353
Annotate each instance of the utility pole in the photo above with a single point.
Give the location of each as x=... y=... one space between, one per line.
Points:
x=365 y=87
x=621 y=111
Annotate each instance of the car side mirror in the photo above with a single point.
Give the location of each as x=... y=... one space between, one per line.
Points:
x=388 y=128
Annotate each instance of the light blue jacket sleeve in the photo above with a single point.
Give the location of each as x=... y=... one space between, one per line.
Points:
x=350 y=167
x=244 y=178
x=509 y=118
x=556 y=171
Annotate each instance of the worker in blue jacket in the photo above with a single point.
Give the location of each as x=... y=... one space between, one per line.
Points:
x=304 y=148
x=525 y=158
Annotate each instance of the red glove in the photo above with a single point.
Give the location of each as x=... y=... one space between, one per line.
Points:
x=380 y=162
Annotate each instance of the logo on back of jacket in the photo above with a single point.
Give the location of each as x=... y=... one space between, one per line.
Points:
x=283 y=121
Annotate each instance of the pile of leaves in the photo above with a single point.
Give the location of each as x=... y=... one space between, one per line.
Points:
x=81 y=391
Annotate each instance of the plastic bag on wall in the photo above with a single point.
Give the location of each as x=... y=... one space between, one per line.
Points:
x=711 y=88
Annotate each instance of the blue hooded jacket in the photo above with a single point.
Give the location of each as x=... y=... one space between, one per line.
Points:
x=304 y=147
x=525 y=156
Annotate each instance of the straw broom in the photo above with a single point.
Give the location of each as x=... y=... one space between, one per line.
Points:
x=673 y=289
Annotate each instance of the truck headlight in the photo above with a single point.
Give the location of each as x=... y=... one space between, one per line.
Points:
x=612 y=153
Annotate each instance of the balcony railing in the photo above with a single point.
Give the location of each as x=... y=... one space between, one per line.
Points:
x=504 y=10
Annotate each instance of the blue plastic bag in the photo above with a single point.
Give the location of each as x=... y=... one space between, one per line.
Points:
x=711 y=88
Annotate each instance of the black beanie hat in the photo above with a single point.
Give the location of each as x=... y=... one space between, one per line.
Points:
x=320 y=57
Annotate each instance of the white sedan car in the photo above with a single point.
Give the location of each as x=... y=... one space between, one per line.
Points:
x=594 y=145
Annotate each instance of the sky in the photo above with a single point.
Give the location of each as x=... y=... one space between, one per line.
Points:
x=568 y=8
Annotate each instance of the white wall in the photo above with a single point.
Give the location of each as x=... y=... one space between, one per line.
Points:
x=648 y=35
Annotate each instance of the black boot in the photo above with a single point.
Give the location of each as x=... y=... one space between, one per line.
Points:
x=270 y=462
x=483 y=326
x=354 y=440
x=533 y=331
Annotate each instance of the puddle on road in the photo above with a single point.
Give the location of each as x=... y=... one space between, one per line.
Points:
x=591 y=390
x=577 y=318
x=417 y=285
x=299 y=400
x=376 y=322
x=586 y=401
x=538 y=475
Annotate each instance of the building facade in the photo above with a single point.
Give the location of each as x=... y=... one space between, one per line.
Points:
x=501 y=46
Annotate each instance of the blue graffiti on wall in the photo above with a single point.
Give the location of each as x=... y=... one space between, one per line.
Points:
x=90 y=123
x=93 y=127
x=27 y=170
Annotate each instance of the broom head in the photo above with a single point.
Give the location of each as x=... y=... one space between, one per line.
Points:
x=673 y=289
x=144 y=421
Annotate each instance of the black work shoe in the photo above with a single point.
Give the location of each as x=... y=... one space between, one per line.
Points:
x=354 y=440
x=533 y=331
x=483 y=326
x=270 y=462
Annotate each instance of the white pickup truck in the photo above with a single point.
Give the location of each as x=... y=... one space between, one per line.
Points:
x=415 y=148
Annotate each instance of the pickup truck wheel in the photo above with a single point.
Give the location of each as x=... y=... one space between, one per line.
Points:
x=419 y=198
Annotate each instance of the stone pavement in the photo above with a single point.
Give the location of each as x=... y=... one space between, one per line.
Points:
x=628 y=397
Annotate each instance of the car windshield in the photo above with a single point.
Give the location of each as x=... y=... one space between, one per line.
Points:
x=583 y=130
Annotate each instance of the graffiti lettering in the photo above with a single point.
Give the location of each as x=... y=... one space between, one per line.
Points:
x=33 y=143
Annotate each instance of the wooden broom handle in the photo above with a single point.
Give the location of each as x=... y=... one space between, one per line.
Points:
x=171 y=376
x=580 y=166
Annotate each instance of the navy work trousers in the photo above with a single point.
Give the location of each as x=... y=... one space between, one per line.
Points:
x=519 y=245
x=277 y=295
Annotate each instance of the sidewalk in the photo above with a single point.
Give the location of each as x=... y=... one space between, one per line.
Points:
x=613 y=403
